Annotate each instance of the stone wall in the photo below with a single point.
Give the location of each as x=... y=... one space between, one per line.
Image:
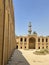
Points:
x=32 y=42
x=7 y=31
x=1 y=29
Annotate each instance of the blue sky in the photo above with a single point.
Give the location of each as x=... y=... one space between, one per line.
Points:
x=36 y=11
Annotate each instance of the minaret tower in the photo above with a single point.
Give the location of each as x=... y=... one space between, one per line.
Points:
x=29 y=28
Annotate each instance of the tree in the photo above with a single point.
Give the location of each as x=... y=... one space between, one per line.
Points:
x=34 y=32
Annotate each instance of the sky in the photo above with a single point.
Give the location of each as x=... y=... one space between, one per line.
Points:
x=34 y=11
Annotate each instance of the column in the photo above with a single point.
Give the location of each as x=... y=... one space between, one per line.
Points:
x=23 y=43
x=36 y=43
x=27 y=43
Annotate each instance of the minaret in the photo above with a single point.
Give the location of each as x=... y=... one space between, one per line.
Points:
x=29 y=28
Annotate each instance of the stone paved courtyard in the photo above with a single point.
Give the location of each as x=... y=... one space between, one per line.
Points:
x=26 y=57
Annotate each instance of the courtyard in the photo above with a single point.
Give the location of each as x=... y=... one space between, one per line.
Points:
x=26 y=57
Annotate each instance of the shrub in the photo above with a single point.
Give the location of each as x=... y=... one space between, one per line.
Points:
x=41 y=52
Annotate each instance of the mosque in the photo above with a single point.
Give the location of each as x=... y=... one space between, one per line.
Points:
x=32 y=41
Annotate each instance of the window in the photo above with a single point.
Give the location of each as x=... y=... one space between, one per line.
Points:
x=38 y=39
x=38 y=47
x=21 y=47
x=17 y=47
x=42 y=40
x=46 y=47
x=42 y=47
x=25 y=46
x=25 y=39
x=46 y=40
x=21 y=39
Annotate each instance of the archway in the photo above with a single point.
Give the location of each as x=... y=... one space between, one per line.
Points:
x=17 y=47
x=32 y=42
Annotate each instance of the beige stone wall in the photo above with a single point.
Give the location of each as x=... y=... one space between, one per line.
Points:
x=7 y=30
x=42 y=44
x=38 y=44
x=1 y=28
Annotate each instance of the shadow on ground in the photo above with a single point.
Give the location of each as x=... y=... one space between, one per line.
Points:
x=18 y=59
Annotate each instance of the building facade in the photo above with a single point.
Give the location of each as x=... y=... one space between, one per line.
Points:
x=32 y=42
x=7 y=31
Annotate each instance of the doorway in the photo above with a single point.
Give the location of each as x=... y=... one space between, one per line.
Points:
x=17 y=47
x=32 y=42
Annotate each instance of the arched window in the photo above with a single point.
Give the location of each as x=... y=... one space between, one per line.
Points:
x=38 y=39
x=21 y=47
x=21 y=39
x=25 y=40
x=25 y=46
x=46 y=40
x=38 y=47
x=42 y=40
x=42 y=47
x=46 y=47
